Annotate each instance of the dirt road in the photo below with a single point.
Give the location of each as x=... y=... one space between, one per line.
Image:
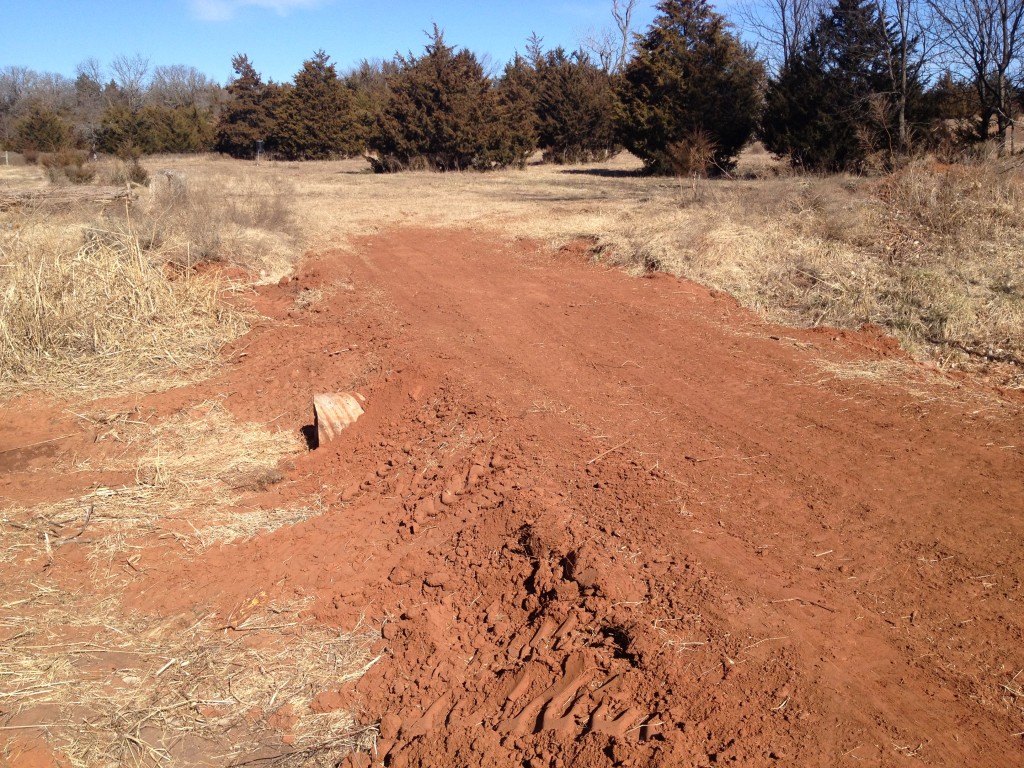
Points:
x=605 y=520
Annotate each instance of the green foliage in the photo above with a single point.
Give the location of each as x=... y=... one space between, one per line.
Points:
x=691 y=80
x=575 y=107
x=249 y=115
x=153 y=129
x=832 y=105
x=314 y=120
x=444 y=113
x=513 y=127
x=42 y=130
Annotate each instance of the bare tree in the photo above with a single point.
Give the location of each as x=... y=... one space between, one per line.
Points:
x=179 y=85
x=91 y=69
x=612 y=48
x=130 y=73
x=53 y=90
x=601 y=44
x=780 y=26
x=89 y=101
x=15 y=83
x=986 y=40
x=622 y=13
x=911 y=47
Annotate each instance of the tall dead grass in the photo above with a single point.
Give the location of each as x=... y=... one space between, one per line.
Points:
x=87 y=308
x=238 y=219
x=97 y=301
x=957 y=242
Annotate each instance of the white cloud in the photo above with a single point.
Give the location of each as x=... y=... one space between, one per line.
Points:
x=222 y=10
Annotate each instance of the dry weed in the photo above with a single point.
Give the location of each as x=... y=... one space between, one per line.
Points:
x=107 y=687
x=96 y=304
x=243 y=219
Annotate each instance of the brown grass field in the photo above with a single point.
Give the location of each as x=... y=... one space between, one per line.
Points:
x=147 y=616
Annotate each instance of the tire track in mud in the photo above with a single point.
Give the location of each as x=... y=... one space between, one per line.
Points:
x=608 y=521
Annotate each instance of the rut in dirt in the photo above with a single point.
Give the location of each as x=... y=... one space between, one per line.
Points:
x=604 y=520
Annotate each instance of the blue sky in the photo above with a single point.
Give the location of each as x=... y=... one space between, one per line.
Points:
x=55 y=35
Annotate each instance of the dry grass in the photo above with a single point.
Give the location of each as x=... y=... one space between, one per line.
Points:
x=241 y=219
x=87 y=309
x=110 y=688
x=99 y=297
x=191 y=471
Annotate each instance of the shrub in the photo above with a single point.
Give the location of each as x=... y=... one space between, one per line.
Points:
x=130 y=171
x=124 y=132
x=42 y=129
x=179 y=129
x=693 y=155
x=68 y=165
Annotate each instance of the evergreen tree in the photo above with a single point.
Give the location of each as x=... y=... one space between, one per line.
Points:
x=575 y=106
x=445 y=113
x=42 y=130
x=248 y=117
x=832 y=105
x=952 y=99
x=514 y=126
x=691 y=94
x=125 y=132
x=518 y=86
x=314 y=120
x=368 y=95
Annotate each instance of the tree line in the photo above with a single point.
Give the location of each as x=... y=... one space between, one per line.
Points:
x=831 y=85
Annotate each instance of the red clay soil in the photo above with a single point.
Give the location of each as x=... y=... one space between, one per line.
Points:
x=609 y=521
